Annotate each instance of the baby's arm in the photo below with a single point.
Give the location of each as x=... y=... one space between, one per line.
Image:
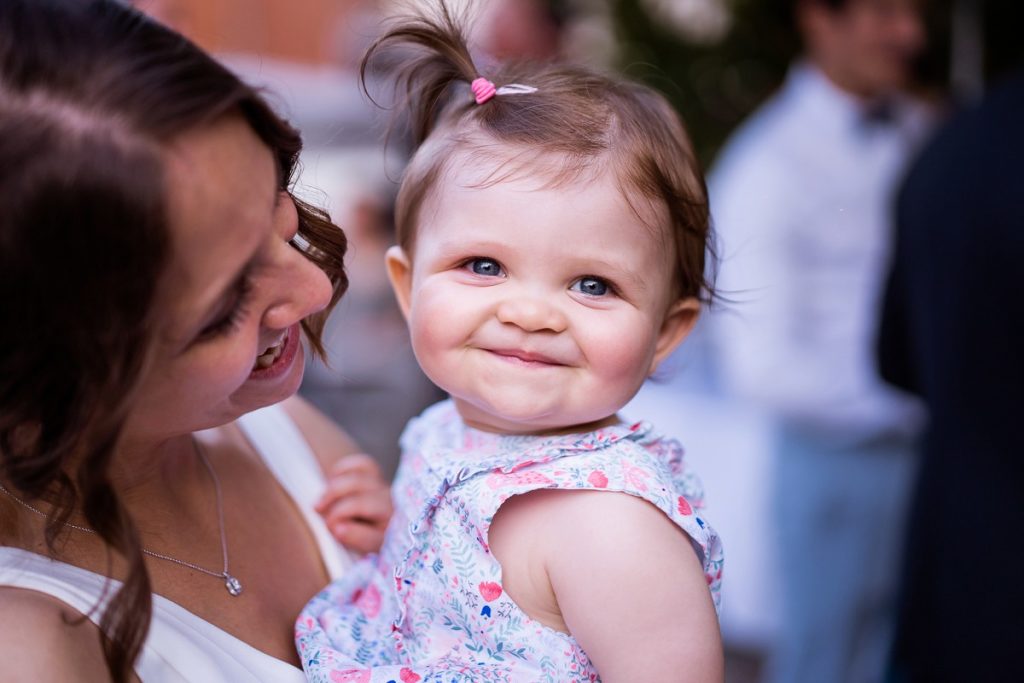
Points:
x=617 y=574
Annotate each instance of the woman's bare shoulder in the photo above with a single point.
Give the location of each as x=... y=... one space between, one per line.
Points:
x=42 y=639
x=328 y=441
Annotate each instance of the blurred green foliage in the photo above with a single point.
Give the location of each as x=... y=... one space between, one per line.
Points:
x=715 y=86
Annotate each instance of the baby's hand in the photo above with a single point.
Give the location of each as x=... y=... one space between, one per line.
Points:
x=357 y=503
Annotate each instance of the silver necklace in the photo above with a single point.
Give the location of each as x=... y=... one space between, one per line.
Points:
x=232 y=584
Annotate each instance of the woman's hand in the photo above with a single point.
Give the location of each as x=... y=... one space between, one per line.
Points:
x=357 y=503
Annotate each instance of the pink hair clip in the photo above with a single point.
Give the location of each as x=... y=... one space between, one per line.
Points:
x=483 y=89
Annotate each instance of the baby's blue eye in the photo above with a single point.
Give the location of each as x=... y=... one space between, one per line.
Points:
x=591 y=286
x=485 y=266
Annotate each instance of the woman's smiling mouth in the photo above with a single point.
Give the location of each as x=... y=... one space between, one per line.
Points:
x=267 y=358
x=277 y=359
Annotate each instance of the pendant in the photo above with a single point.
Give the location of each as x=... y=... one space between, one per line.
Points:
x=233 y=585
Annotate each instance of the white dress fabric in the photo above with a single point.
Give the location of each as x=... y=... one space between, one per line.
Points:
x=180 y=645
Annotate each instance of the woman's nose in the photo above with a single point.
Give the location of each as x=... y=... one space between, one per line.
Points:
x=531 y=313
x=302 y=289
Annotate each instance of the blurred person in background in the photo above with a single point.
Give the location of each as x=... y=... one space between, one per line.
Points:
x=800 y=197
x=952 y=331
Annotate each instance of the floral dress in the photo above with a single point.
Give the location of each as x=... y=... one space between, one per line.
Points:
x=430 y=607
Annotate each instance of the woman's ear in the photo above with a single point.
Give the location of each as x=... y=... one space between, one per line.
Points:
x=400 y=273
x=679 y=321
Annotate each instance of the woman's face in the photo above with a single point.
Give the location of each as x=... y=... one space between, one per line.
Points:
x=235 y=290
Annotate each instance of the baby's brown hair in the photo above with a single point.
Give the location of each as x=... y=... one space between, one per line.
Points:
x=577 y=122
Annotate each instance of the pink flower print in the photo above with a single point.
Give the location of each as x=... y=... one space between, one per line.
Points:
x=598 y=479
x=369 y=602
x=522 y=465
x=490 y=590
x=408 y=676
x=635 y=476
x=684 y=506
x=351 y=676
x=498 y=480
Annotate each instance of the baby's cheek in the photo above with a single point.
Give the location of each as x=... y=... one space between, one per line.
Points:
x=433 y=345
x=441 y=320
x=620 y=361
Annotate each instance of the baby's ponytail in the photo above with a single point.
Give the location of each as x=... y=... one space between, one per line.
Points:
x=441 y=64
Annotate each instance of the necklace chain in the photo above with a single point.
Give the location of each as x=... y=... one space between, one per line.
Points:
x=232 y=584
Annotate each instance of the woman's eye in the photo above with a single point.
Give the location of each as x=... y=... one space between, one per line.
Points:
x=591 y=286
x=484 y=266
x=232 y=316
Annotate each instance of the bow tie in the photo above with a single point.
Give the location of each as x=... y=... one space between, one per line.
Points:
x=879 y=113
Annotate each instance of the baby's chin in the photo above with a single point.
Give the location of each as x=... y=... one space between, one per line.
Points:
x=527 y=420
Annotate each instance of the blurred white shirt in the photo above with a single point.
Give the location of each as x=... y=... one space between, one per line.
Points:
x=801 y=199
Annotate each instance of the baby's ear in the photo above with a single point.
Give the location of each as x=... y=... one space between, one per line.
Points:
x=400 y=273
x=679 y=321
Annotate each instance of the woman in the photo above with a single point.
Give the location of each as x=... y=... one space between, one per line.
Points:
x=155 y=273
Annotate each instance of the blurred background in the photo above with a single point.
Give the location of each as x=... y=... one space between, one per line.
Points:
x=780 y=426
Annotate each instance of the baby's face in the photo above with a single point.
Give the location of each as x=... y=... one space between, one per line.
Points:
x=538 y=309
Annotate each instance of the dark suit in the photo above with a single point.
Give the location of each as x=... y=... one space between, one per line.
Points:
x=953 y=332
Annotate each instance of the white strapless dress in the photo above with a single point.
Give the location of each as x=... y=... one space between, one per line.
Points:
x=182 y=647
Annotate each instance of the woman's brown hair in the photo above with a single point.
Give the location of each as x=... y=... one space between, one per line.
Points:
x=91 y=92
x=577 y=122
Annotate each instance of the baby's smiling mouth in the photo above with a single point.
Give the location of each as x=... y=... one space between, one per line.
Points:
x=526 y=357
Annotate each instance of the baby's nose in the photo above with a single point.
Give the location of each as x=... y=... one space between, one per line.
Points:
x=533 y=314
